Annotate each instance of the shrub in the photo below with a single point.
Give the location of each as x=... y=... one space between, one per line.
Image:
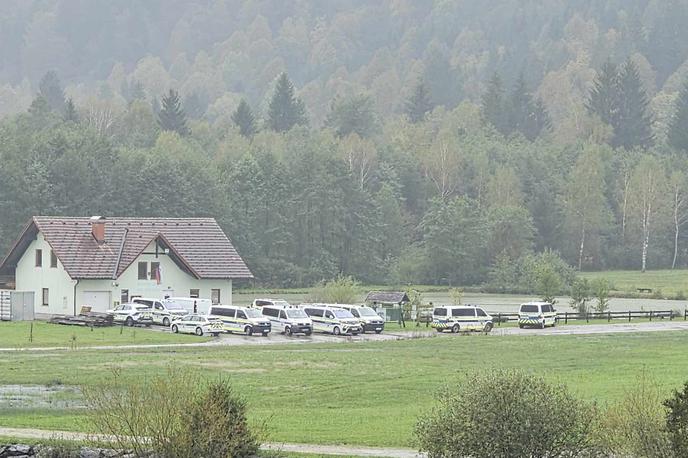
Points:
x=600 y=289
x=580 y=295
x=635 y=426
x=341 y=290
x=179 y=415
x=506 y=414
x=677 y=421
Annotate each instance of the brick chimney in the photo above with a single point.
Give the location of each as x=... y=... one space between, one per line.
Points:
x=98 y=228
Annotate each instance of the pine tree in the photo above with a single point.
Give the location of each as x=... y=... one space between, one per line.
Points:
x=419 y=104
x=171 y=116
x=540 y=120
x=51 y=90
x=244 y=119
x=678 y=127
x=604 y=97
x=70 y=113
x=493 y=105
x=520 y=107
x=634 y=127
x=285 y=110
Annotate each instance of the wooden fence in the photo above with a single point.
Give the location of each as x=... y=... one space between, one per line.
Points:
x=565 y=317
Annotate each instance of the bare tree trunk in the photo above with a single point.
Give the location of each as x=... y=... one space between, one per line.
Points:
x=582 y=249
x=627 y=179
x=676 y=227
x=647 y=209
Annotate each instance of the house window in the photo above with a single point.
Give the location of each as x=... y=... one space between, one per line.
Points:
x=143 y=271
x=46 y=297
x=194 y=293
x=215 y=296
x=39 y=258
x=124 y=296
x=53 y=259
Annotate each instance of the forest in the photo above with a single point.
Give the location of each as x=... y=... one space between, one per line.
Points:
x=398 y=142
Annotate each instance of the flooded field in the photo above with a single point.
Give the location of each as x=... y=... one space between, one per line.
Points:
x=40 y=397
x=500 y=302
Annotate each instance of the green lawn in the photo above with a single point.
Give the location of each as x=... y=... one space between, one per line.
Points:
x=365 y=393
x=667 y=283
x=20 y=334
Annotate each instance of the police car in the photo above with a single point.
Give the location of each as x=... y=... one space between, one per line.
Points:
x=244 y=320
x=459 y=318
x=131 y=314
x=197 y=324
x=537 y=314
x=332 y=319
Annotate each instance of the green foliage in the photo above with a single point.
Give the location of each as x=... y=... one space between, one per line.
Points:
x=285 y=110
x=178 y=415
x=50 y=89
x=677 y=420
x=355 y=114
x=545 y=274
x=171 y=116
x=580 y=295
x=600 y=289
x=341 y=290
x=504 y=414
x=678 y=127
x=243 y=118
x=70 y=113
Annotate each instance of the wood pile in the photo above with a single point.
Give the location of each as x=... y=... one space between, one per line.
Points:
x=85 y=318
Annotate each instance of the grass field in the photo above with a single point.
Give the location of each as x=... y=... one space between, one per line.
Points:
x=366 y=393
x=20 y=334
x=664 y=283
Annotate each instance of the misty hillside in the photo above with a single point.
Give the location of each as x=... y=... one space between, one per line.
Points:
x=400 y=141
x=214 y=52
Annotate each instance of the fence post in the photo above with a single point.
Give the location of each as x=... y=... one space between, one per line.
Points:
x=499 y=319
x=629 y=316
x=650 y=315
x=671 y=316
x=685 y=314
x=566 y=317
x=587 y=317
x=609 y=316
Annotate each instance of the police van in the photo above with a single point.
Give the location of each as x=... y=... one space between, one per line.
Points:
x=332 y=319
x=243 y=320
x=537 y=314
x=458 y=318
x=369 y=319
x=163 y=311
x=288 y=320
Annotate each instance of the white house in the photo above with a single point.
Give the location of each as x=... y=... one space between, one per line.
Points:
x=70 y=262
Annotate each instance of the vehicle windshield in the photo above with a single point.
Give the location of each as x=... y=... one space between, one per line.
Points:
x=529 y=309
x=173 y=306
x=296 y=313
x=341 y=313
x=367 y=311
x=253 y=313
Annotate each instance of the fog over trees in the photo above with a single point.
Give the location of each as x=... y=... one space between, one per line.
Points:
x=395 y=141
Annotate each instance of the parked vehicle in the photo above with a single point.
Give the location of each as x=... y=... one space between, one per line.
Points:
x=257 y=303
x=458 y=318
x=538 y=314
x=368 y=318
x=131 y=314
x=244 y=320
x=197 y=324
x=332 y=320
x=201 y=305
x=288 y=320
x=164 y=311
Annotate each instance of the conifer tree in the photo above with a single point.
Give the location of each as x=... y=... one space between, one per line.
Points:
x=520 y=107
x=243 y=118
x=603 y=99
x=171 y=116
x=285 y=110
x=634 y=127
x=70 y=113
x=50 y=89
x=419 y=104
x=678 y=127
x=493 y=105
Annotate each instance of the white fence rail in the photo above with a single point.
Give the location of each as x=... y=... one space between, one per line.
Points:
x=5 y=306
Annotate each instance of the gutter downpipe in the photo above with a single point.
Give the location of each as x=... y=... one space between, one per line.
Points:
x=75 y=285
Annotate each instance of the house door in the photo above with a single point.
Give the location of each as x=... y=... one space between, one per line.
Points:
x=100 y=301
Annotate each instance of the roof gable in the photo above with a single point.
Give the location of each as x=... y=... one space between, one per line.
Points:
x=198 y=245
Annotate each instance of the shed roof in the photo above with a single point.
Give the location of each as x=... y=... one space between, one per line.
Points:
x=387 y=297
x=197 y=245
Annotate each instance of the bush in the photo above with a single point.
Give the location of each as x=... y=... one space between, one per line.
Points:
x=600 y=289
x=506 y=414
x=677 y=421
x=341 y=290
x=179 y=415
x=580 y=295
x=635 y=426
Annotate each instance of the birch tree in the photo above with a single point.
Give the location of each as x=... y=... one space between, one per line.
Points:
x=679 y=208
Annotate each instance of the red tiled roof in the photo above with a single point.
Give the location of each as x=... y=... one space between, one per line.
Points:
x=198 y=245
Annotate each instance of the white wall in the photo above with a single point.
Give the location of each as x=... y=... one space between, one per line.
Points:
x=31 y=278
x=61 y=287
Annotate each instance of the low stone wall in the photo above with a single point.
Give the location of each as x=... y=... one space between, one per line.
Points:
x=50 y=451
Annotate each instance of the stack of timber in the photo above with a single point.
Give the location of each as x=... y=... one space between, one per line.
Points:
x=85 y=318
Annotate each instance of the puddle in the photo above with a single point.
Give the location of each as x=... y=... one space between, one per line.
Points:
x=40 y=397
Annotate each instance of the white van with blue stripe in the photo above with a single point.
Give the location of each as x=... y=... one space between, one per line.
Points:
x=332 y=319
